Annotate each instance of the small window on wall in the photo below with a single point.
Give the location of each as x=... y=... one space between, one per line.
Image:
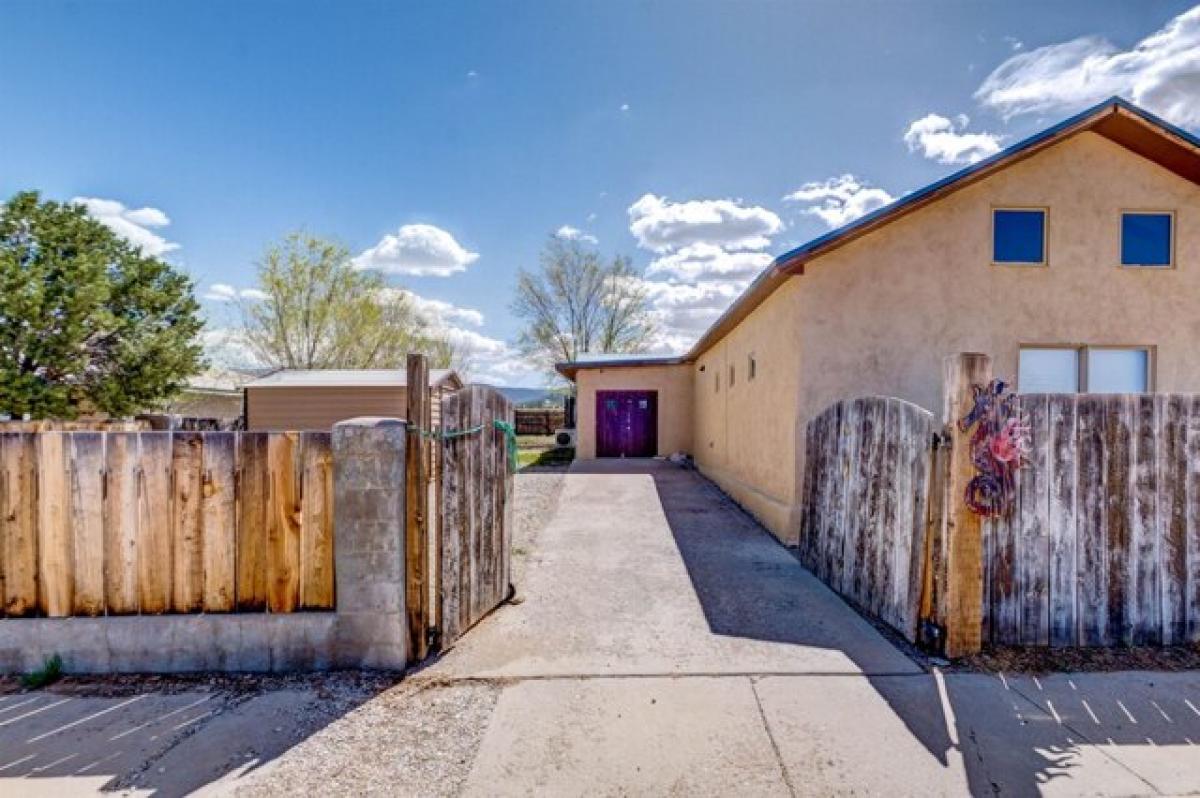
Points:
x=751 y=367
x=1118 y=370
x=1046 y=370
x=716 y=382
x=1019 y=236
x=1086 y=369
x=732 y=376
x=1146 y=239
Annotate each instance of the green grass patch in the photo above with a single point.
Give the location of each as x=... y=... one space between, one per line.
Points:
x=545 y=457
x=49 y=673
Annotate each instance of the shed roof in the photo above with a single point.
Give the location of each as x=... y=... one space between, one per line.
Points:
x=1116 y=119
x=347 y=378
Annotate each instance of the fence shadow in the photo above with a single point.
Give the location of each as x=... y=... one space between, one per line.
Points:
x=1012 y=735
x=170 y=737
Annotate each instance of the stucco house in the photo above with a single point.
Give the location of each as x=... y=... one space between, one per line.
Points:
x=316 y=399
x=1072 y=258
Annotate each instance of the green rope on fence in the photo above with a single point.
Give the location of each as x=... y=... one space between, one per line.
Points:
x=510 y=436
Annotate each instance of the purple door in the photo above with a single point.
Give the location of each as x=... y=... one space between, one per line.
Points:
x=626 y=423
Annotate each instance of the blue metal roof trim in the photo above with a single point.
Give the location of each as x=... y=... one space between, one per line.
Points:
x=1024 y=144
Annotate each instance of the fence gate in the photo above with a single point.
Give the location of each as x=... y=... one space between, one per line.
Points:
x=475 y=519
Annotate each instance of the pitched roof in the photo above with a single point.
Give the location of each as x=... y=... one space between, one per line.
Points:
x=343 y=378
x=1116 y=119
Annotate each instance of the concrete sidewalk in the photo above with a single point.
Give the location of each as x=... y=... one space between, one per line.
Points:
x=668 y=645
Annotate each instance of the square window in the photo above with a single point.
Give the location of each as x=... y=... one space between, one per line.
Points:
x=1118 y=370
x=1044 y=370
x=1019 y=236
x=1146 y=239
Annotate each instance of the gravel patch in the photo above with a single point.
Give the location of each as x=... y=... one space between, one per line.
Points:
x=411 y=740
x=536 y=501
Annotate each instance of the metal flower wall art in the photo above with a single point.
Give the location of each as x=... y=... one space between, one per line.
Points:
x=999 y=448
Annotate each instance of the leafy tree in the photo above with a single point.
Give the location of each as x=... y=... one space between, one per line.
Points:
x=88 y=322
x=317 y=311
x=576 y=303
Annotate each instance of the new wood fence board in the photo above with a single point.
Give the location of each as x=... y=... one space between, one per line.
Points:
x=86 y=460
x=122 y=456
x=20 y=524
x=155 y=552
x=187 y=537
x=56 y=555
x=219 y=516
x=316 y=527
x=254 y=490
x=283 y=523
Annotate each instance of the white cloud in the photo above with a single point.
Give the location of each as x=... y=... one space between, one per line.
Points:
x=624 y=106
x=839 y=200
x=660 y=225
x=946 y=141
x=569 y=233
x=707 y=253
x=703 y=260
x=1160 y=73
x=227 y=347
x=1015 y=43
x=439 y=313
x=420 y=250
x=132 y=224
x=223 y=292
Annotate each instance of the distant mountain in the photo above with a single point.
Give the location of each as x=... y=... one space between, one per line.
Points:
x=529 y=396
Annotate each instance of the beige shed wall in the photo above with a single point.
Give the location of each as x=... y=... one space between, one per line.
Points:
x=674 y=386
x=319 y=408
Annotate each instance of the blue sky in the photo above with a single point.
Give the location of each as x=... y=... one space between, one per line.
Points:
x=700 y=138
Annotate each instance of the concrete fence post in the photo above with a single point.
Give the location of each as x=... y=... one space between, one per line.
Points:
x=369 y=543
x=964 y=529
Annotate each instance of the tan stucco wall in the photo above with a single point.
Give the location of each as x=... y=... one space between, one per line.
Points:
x=880 y=314
x=674 y=386
x=745 y=434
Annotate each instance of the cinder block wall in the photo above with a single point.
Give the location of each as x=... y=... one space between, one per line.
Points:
x=367 y=630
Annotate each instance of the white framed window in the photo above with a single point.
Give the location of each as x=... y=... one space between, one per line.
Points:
x=1085 y=369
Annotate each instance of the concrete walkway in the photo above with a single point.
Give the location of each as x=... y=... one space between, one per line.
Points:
x=668 y=645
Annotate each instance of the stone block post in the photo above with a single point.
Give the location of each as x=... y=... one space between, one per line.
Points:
x=369 y=550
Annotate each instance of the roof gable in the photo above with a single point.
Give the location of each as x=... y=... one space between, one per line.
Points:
x=1116 y=119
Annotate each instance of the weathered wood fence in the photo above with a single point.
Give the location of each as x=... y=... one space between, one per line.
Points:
x=1101 y=547
x=866 y=487
x=121 y=523
x=460 y=513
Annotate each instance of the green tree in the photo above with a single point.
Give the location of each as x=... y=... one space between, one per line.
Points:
x=320 y=312
x=88 y=322
x=577 y=303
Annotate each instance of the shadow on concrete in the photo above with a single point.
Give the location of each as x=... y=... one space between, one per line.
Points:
x=1008 y=735
x=167 y=739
